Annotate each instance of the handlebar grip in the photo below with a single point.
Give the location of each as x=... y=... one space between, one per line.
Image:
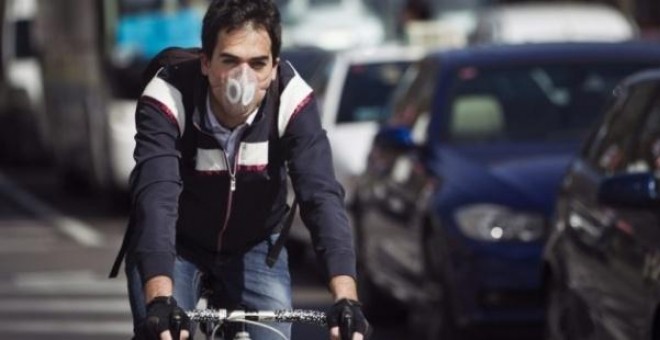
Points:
x=346 y=324
x=175 y=326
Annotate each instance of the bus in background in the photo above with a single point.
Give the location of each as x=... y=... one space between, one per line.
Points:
x=92 y=56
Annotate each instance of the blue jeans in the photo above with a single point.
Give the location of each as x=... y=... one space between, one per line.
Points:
x=242 y=281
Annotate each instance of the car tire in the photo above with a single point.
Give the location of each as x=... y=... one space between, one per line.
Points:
x=566 y=317
x=554 y=310
x=84 y=167
x=378 y=307
x=432 y=319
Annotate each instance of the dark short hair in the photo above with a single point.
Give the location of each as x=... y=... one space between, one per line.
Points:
x=232 y=14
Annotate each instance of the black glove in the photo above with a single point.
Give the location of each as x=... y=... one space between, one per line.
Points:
x=163 y=314
x=347 y=314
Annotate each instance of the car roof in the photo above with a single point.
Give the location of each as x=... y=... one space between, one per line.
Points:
x=382 y=53
x=635 y=51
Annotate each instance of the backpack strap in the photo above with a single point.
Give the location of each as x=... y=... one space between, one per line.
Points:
x=122 y=250
x=276 y=248
x=286 y=107
x=168 y=56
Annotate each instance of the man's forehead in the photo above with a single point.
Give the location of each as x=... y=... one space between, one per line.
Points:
x=242 y=31
x=245 y=39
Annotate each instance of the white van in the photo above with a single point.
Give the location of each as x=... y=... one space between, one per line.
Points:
x=330 y=24
x=552 y=22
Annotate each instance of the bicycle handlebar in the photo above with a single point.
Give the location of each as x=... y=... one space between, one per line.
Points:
x=294 y=315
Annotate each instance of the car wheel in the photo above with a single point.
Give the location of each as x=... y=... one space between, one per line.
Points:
x=432 y=319
x=555 y=309
x=84 y=168
x=566 y=314
x=378 y=306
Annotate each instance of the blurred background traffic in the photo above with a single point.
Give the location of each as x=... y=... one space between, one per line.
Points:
x=498 y=160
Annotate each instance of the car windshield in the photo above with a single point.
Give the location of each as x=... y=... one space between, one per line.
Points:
x=530 y=103
x=366 y=91
x=308 y=61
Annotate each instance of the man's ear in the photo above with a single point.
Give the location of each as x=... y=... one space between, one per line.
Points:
x=205 y=63
x=276 y=64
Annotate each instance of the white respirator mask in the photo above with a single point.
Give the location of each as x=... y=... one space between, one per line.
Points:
x=240 y=91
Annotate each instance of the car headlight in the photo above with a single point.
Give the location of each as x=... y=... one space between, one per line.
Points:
x=494 y=223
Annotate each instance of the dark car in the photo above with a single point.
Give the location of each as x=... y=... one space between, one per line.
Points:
x=602 y=258
x=453 y=210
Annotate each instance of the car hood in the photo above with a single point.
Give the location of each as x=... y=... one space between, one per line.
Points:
x=522 y=178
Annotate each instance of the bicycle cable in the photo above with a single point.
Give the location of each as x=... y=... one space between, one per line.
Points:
x=256 y=323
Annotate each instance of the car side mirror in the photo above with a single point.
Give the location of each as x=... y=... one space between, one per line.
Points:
x=630 y=190
x=396 y=137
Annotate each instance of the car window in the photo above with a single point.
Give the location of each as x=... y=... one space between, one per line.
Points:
x=613 y=151
x=412 y=98
x=367 y=89
x=645 y=153
x=476 y=117
x=541 y=103
x=613 y=104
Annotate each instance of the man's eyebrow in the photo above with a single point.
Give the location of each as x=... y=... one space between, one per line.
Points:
x=231 y=56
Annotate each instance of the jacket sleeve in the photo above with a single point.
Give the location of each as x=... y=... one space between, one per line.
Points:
x=321 y=197
x=155 y=186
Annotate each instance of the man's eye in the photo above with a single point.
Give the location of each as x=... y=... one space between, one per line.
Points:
x=258 y=65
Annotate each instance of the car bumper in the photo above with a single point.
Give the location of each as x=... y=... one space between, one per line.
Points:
x=498 y=285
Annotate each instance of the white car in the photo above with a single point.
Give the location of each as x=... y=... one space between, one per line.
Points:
x=354 y=95
x=354 y=92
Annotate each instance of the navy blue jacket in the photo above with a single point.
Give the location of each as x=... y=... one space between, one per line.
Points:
x=187 y=199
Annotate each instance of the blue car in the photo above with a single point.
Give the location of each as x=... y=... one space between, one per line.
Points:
x=453 y=210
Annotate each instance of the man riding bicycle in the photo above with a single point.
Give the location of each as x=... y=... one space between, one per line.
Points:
x=215 y=138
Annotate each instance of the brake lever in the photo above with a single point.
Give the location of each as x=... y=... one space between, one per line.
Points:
x=175 y=326
x=346 y=323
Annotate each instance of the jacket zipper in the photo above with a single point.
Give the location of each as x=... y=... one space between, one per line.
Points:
x=231 y=169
